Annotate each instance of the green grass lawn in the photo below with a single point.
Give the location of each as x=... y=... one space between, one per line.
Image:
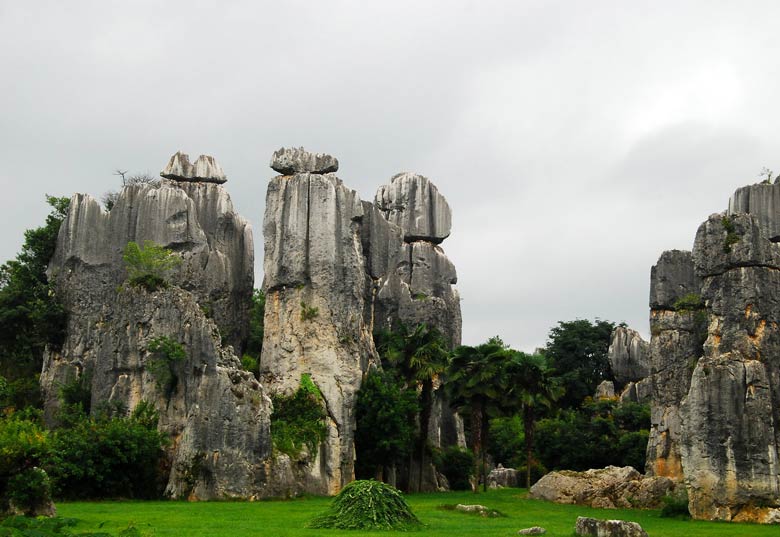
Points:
x=288 y=518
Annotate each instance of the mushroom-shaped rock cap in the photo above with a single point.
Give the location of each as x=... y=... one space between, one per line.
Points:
x=414 y=204
x=289 y=161
x=205 y=170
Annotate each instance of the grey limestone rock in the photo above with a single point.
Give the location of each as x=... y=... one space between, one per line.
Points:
x=607 y=488
x=415 y=205
x=629 y=355
x=672 y=278
x=605 y=390
x=534 y=530
x=502 y=477
x=593 y=527
x=204 y=170
x=290 y=161
x=314 y=262
x=761 y=201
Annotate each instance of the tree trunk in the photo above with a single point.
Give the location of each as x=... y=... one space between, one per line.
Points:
x=425 y=418
x=476 y=429
x=528 y=426
x=485 y=432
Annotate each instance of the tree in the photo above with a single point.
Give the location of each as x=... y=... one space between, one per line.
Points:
x=420 y=355
x=385 y=413
x=150 y=265
x=532 y=388
x=30 y=313
x=475 y=384
x=578 y=352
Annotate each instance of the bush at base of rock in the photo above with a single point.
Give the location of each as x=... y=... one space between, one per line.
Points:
x=29 y=493
x=457 y=465
x=368 y=505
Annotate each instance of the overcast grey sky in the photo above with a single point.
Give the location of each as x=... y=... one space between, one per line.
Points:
x=575 y=141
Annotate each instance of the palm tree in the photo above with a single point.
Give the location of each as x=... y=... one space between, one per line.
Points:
x=475 y=384
x=421 y=355
x=532 y=388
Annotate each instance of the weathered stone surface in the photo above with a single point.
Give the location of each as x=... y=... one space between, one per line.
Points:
x=730 y=415
x=204 y=170
x=216 y=414
x=605 y=390
x=534 y=530
x=607 y=488
x=502 y=477
x=290 y=161
x=629 y=355
x=672 y=278
x=195 y=220
x=594 y=527
x=414 y=204
x=675 y=346
x=314 y=262
x=638 y=392
x=763 y=202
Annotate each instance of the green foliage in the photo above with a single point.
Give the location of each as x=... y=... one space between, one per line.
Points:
x=254 y=344
x=457 y=465
x=506 y=441
x=29 y=489
x=30 y=312
x=166 y=353
x=250 y=363
x=385 y=413
x=149 y=266
x=368 y=505
x=78 y=392
x=689 y=302
x=298 y=420
x=676 y=505
x=731 y=234
x=308 y=312
x=24 y=445
x=599 y=434
x=22 y=526
x=103 y=457
x=578 y=352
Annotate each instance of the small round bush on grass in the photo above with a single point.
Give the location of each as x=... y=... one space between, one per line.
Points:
x=368 y=505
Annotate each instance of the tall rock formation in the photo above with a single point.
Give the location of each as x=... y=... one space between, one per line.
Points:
x=315 y=289
x=678 y=329
x=715 y=317
x=420 y=287
x=338 y=269
x=216 y=414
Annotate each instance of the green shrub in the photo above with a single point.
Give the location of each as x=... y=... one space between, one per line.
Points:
x=78 y=392
x=150 y=265
x=166 y=353
x=108 y=457
x=689 y=302
x=299 y=419
x=676 y=505
x=250 y=363
x=457 y=465
x=21 y=526
x=731 y=234
x=368 y=505
x=29 y=490
x=308 y=312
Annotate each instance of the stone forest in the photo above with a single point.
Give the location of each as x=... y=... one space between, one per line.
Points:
x=338 y=271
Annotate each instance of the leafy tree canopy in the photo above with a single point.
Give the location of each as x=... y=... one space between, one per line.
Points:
x=578 y=352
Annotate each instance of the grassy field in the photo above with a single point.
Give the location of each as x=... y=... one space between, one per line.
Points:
x=288 y=518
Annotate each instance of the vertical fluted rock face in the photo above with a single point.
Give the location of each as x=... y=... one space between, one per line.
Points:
x=419 y=285
x=338 y=269
x=216 y=414
x=315 y=323
x=629 y=355
x=677 y=334
x=763 y=202
x=731 y=415
x=414 y=204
